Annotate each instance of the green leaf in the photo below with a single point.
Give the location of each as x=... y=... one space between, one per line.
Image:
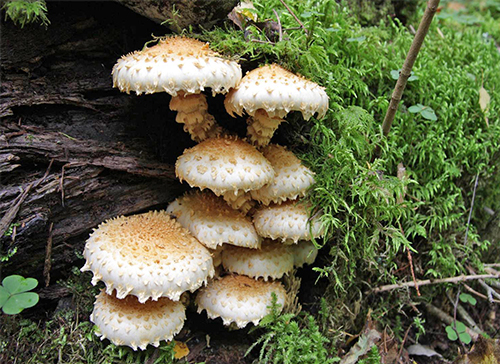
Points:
x=429 y=114
x=395 y=74
x=11 y=307
x=4 y=296
x=416 y=108
x=17 y=284
x=27 y=299
x=465 y=297
x=358 y=39
x=460 y=327
x=465 y=338
x=452 y=334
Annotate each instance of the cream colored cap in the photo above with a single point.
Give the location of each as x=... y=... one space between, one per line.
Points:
x=304 y=252
x=291 y=178
x=128 y=322
x=148 y=255
x=212 y=221
x=175 y=64
x=277 y=91
x=239 y=299
x=272 y=260
x=225 y=164
x=289 y=222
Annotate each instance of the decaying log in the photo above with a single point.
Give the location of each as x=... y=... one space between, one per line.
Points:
x=180 y=14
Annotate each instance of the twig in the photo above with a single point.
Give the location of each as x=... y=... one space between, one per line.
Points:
x=280 y=33
x=464 y=315
x=425 y=282
x=492 y=265
x=422 y=30
x=48 y=257
x=295 y=17
x=471 y=208
x=490 y=292
x=447 y=319
x=403 y=343
x=473 y=291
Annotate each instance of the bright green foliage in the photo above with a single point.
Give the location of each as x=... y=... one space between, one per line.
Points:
x=289 y=340
x=23 y=12
x=467 y=298
x=14 y=295
x=373 y=357
x=458 y=331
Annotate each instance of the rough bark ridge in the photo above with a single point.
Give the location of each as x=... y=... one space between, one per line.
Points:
x=74 y=151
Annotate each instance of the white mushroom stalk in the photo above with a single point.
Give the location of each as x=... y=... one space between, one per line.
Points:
x=267 y=94
x=182 y=67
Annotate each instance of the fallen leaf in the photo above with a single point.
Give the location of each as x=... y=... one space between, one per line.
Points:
x=180 y=350
x=362 y=347
x=484 y=102
x=422 y=350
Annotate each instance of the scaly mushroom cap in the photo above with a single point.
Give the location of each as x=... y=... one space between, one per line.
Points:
x=148 y=255
x=277 y=91
x=272 y=260
x=212 y=221
x=175 y=64
x=291 y=178
x=289 y=222
x=224 y=164
x=239 y=299
x=128 y=322
x=305 y=252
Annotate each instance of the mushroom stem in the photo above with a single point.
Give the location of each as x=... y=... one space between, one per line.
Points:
x=193 y=113
x=240 y=200
x=261 y=128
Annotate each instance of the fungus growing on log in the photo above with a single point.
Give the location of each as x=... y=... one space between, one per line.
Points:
x=239 y=299
x=228 y=166
x=182 y=67
x=291 y=178
x=212 y=221
x=268 y=94
x=129 y=322
x=147 y=255
x=288 y=222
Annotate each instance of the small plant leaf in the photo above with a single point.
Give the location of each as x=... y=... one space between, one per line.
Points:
x=465 y=297
x=4 y=296
x=395 y=74
x=416 y=108
x=452 y=334
x=465 y=338
x=27 y=299
x=460 y=327
x=429 y=114
x=484 y=100
x=17 y=284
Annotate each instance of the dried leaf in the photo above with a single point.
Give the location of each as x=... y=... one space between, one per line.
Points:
x=362 y=347
x=484 y=100
x=422 y=350
x=180 y=350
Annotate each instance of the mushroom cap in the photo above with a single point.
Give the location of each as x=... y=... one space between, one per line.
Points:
x=291 y=177
x=175 y=64
x=272 y=260
x=304 y=252
x=212 y=221
x=239 y=299
x=128 y=322
x=288 y=222
x=224 y=164
x=277 y=91
x=148 y=255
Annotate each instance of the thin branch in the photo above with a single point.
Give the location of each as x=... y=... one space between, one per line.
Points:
x=471 y=208
x=295 y=17
x=425 y=282
x=280 y=33
x=423 y=28
x=473 y=291
x=447 y=319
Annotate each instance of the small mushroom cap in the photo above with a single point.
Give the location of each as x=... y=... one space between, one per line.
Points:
x=224 y=164
x=239 y=299
x=277 y=91
x=175 y=64
x=288 y=221
x=304 y=252
x=291 y=178
x=272 y=260
x=212 y=221
x=128 y=322
x=148 y=255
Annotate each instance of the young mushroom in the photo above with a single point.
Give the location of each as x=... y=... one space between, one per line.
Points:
x=182 y=67
x=212 y=221
x=291 y=179
x=239 y=299
x=228 y=166
x=268 y=94
x=147 y=255
x=128 y=322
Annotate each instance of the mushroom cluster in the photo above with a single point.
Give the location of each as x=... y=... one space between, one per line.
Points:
x=243 y=217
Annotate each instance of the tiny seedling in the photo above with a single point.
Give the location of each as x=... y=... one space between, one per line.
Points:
x=395 y=75
x=425 y=111
x=458 y=331
x=467 y=298
x=14 y=295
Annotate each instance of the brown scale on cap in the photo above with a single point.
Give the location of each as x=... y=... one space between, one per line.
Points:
x=182 y=67
x=270 y=92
